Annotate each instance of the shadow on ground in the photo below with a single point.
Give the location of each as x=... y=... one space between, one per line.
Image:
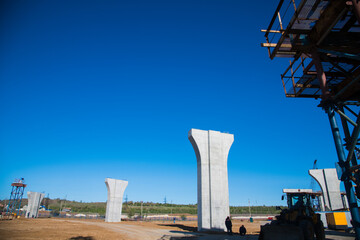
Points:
x=211 y=237
x=338 y=233
x=181 y=226
x=166 y=237
x=331 y=235
x=82 y=238
x=191 y=231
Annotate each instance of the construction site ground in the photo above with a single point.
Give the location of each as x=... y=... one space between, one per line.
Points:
x=85 y=229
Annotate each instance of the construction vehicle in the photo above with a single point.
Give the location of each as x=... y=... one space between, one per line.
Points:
x=297 y=222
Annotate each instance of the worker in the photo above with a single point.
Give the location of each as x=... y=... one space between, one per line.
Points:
x=228 y=225
x=242 y=230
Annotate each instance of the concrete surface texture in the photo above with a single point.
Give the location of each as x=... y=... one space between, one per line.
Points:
x=212 y=149
x=34 y=200
x=116 y=190
x=330 y=186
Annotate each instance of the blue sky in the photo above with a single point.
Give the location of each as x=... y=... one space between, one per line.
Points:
x=96 y=89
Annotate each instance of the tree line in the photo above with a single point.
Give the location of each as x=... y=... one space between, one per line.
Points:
x=144 y=208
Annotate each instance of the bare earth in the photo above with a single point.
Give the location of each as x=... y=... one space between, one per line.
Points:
x=51 y=228
x=76 y=229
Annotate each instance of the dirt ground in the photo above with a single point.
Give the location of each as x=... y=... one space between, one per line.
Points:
x=52 y=228
x=81 y=229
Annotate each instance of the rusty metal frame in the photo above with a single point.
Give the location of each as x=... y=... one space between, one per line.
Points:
x=324 y=67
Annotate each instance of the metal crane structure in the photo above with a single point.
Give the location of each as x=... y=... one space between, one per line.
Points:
x=322 y=40
x=16 y=195
x=312 y=183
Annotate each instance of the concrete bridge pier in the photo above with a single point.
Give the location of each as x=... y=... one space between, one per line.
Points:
x=212 y=149
x=116 y=190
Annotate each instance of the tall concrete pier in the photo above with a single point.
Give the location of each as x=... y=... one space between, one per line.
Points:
x=34 y=200
x=330 y=186
x=116 y=190
x=212 y=149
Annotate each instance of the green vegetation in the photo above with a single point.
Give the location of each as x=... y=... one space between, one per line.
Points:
x=254 y=210
x=158 y=208
x=134 y=208
x=79 y=207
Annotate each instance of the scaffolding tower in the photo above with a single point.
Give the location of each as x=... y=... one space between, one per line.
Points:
x=16 y=195
x=322 y=40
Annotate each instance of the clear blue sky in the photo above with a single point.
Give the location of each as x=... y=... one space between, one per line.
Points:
x=96 y=89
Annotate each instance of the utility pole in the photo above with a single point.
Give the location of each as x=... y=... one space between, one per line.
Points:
x=46 y=202
x=141 y=209
x=61 y=204
x=60 y=207
x=249 y=208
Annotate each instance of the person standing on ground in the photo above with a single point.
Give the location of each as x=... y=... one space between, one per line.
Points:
x=242 y=230
x=228 y=225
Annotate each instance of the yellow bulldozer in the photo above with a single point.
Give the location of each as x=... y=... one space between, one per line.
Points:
x=297 y=222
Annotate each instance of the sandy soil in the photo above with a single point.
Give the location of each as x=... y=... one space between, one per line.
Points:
x=51 y=228
x=76 y=229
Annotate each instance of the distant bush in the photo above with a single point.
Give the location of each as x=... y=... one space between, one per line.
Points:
x=130 y=211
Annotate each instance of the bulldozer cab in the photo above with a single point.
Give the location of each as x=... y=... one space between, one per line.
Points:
x=299 y=221
x=298 y=200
